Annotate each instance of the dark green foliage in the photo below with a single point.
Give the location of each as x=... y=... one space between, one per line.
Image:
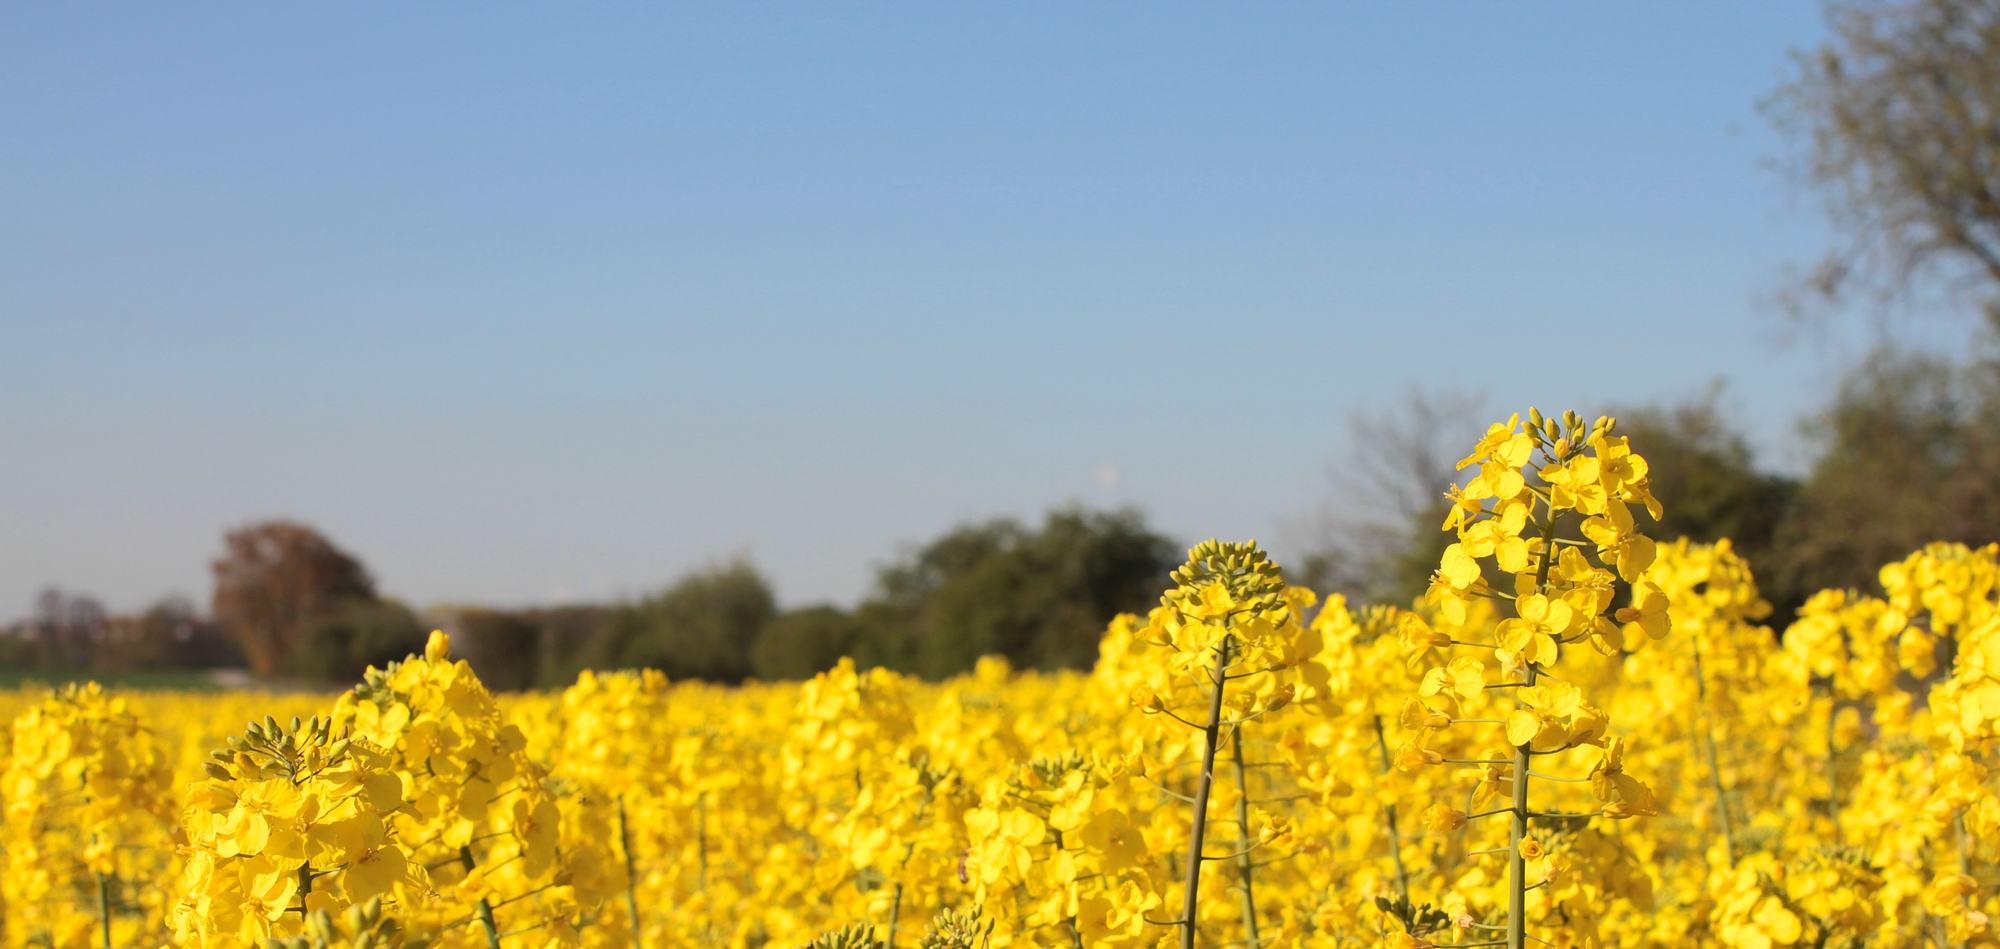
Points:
x=800 y=643
x=1708 y=470
x=516 y=650
x=1910 y=453
x=704 y=626
x=1705 y=474
x=339 y=645
x=1040 y=598
x=504 y=648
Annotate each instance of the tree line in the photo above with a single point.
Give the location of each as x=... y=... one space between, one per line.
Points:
x=1909 y=451
x=290 y=604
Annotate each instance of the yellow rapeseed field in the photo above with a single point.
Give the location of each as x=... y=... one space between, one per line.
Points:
x=1581 y=737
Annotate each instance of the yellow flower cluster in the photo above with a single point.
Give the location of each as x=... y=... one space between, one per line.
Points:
x=1581 y=737
x=89 y=811
x=475 y=838
x=1550 y=497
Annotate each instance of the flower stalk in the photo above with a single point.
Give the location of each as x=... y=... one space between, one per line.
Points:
x=1244 y=867
x=1204 y=781
x=1389 y=813
x=631 y=874
x=104 y=907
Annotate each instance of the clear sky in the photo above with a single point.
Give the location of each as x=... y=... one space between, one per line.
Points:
x=524 y=303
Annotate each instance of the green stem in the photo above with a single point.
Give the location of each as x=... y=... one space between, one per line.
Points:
x=1243 y=867
x=104 y=907
x=1190 y=902
x=1517 y=824
x=631 y=875
x=485 y=910
x=1714 y=761
x=895 y=910
x=1395 y=835
x=1517 y=866
x=305 y=886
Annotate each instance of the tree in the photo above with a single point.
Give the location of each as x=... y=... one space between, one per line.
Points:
x=1898 y=116
x=1909 y=453
x=275 y=577
x=1040 y=598
x=339 y=645
x=1704 y=470
x=1706 y=466
x=704 y=626
x=169 y=634
x=1898 y=119
x=504 y=647
x=801 y=643
x=67 y=628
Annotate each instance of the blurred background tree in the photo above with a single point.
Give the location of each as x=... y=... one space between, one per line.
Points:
x=1896 y=127
x=801 y=643
x=66 y=627
x=704 y=626
x=170 y=634
x=340 y=643
x=1908 y=453
x=74 y=633
x=274 y=580
x=1038 y=597
x=301 y=608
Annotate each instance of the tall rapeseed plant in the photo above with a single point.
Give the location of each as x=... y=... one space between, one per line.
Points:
x=1512 y=546
x=1231 y=632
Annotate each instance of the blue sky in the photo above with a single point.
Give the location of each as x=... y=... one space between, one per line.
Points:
x=530 y=303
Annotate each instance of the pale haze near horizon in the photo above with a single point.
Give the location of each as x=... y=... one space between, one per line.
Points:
x=536 y=304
